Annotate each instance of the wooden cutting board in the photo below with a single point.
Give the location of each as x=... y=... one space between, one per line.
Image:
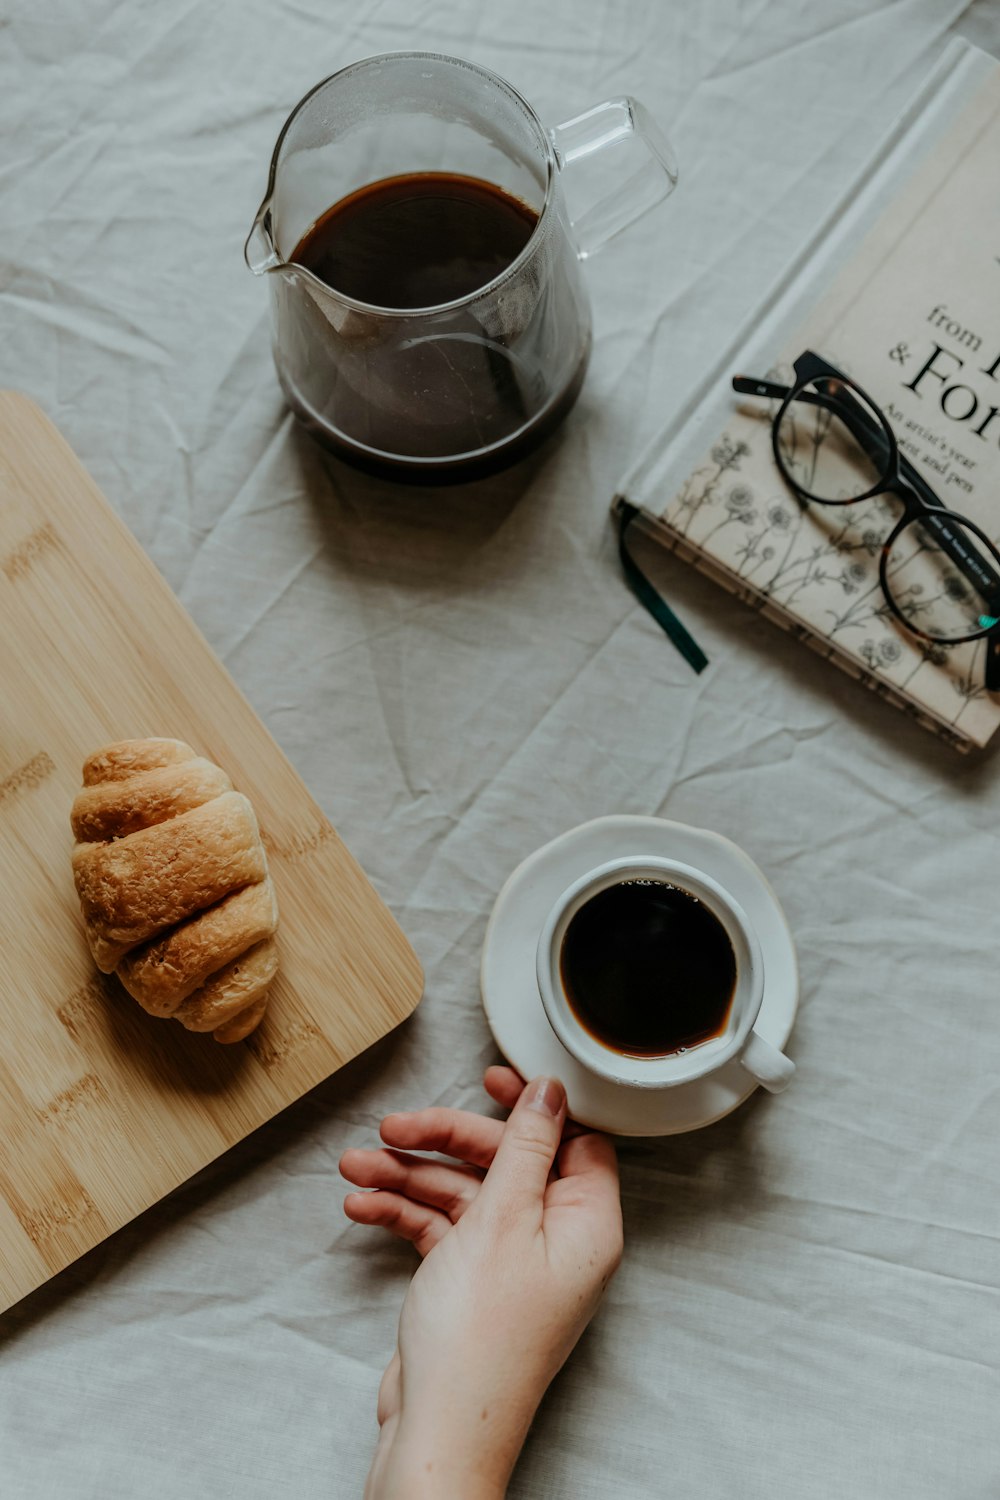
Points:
x=102 y=1108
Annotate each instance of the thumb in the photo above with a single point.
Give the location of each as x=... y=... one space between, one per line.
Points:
x=516 y=1180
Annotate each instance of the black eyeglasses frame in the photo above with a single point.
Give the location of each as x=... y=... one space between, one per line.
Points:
x=897 y=476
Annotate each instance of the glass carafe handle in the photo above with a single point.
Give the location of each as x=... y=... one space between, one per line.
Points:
x=626 y=125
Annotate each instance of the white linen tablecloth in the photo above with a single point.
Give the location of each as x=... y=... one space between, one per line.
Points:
x=809 y=1301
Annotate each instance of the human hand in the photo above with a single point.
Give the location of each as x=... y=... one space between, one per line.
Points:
x=519 y=1234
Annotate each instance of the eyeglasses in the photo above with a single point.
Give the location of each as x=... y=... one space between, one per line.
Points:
x=939 y=571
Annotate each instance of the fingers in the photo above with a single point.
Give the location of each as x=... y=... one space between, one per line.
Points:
x=388 y=1391
x=588 y=1183
x=530 y=1140
x=459 y=1133
x=591 y=1156
x=415 y=1222
x=503 y=1085
x=438 y=1184
x=453 y=1132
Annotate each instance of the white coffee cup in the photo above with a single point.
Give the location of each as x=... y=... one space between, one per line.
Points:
x=738 y=1041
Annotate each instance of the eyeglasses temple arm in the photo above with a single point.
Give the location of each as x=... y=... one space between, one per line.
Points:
x=993 y=663
x=868 y=432
x=917 y=482
x=747 y=386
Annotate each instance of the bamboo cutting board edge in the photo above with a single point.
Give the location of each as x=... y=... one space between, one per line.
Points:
x=125 y=1108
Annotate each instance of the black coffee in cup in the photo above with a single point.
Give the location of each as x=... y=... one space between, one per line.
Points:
x=648 y=969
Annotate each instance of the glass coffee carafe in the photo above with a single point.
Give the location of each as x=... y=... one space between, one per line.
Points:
x=465 y=386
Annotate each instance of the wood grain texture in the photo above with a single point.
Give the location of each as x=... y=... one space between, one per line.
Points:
x=104 y=1109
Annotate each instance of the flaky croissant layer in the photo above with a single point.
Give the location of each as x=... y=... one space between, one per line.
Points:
x=174 y=886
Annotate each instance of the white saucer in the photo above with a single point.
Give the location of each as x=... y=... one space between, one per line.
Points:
x=510 y=990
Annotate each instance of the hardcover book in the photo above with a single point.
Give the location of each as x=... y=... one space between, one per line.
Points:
x=900 y=291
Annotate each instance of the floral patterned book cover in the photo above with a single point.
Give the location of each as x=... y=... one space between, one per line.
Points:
x=911 y=313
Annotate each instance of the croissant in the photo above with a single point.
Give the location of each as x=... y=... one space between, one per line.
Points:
x=174 y=887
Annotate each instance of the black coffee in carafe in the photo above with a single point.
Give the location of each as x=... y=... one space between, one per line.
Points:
x=401 y=246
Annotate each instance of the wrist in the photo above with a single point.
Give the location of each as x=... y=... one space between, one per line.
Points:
x=467 y=1456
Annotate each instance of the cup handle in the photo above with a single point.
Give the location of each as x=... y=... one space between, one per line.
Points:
x=623 y=123
x=771 y=1068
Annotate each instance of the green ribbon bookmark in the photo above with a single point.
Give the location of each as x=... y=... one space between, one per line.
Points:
x=650 y=599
